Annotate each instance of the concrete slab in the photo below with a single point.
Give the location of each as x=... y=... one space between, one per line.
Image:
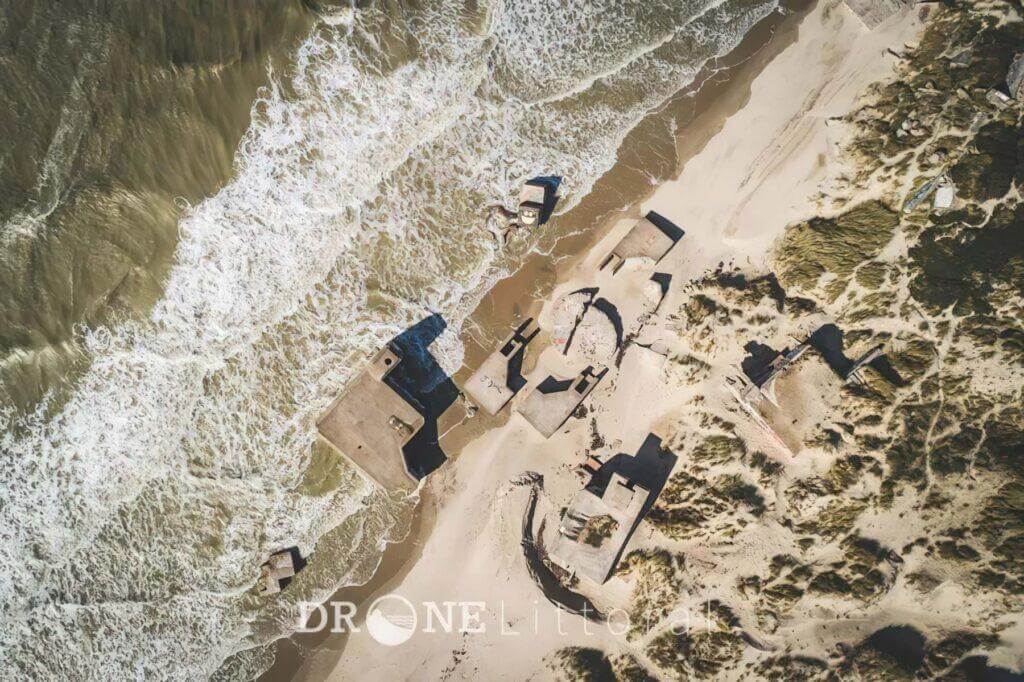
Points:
x=534 y=192
x=622 y=501
x=499 y=377
x=553 y=400
x=650 y=238
x=370 y=423
x=944 y=197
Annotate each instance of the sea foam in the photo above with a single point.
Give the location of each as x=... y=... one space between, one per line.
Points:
x=140 y=509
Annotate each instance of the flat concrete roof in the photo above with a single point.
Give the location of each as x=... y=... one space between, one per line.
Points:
x=646 y=239
x=361 y=425
x=551 y=401
x=533 y=192
x=622 y=501
x=499 y=377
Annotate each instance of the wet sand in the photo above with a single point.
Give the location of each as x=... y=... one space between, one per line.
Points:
x=655 y=151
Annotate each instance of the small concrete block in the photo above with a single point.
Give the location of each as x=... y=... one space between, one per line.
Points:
x=532 y=198
x=1015 y=77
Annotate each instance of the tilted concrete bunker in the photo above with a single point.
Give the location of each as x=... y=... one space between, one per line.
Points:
x=370 y=422
x=499 y=377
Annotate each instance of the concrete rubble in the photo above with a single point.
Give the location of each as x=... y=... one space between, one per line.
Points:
x=998 y=98
x=1015 y=78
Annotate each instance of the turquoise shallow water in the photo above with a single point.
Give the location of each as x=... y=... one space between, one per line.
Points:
x=226 y=212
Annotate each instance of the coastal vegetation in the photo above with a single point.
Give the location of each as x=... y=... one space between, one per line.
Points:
x=937 y=454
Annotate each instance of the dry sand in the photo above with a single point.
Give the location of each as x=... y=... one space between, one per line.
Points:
x=762 y=170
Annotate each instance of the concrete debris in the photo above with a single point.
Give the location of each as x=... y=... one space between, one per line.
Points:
x=962 y=58
x=998 y=98
x=913 y=127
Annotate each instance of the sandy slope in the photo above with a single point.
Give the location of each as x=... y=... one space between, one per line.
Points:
x=763 y=171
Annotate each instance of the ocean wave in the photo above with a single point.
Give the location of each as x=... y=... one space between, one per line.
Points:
x=144 y=503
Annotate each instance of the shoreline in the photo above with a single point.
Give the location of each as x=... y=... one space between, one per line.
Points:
x=395 y=562
x=700 y=110
x=760 y=168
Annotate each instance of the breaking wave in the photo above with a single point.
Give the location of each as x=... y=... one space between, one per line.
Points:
x=138 y=509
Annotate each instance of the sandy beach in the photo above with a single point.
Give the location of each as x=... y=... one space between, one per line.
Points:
x=764 y=161
x=616 y=340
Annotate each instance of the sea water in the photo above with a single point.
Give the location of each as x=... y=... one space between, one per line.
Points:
x=141 y=492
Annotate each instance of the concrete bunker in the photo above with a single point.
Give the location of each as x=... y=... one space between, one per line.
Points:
x=370 y=423
x=499 y=378
x=279 y=569
x=650 y=238
x=874 y=12
x=600 y=519
x=532 y=200
x=553 y=400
